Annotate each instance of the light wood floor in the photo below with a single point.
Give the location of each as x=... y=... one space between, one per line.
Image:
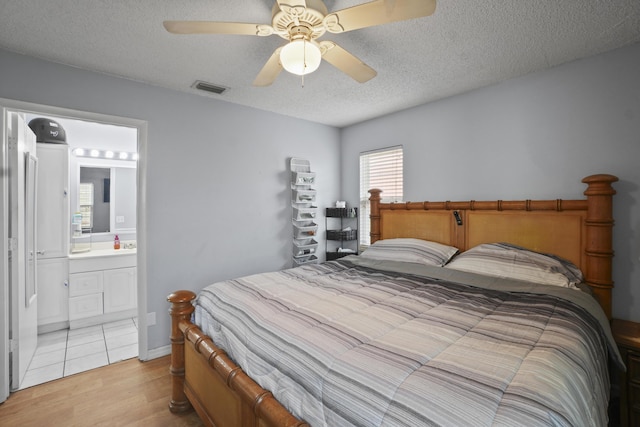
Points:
x=129 y=393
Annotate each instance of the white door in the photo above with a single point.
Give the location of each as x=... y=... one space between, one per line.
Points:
x=4 y=263
x=53 y=201
x=23 y=322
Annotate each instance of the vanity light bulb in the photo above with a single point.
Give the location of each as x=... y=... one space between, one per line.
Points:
x=95 y=153
x=108 y=154
x=134 y=156
x=79 y=152
x=124 y=156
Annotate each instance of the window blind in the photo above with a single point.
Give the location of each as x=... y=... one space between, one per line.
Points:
x=379 y=169
x=85 y=196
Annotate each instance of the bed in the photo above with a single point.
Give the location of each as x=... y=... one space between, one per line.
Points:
x=410 y=333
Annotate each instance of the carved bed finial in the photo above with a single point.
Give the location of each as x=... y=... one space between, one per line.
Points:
x=181 y=309
x=374 y=200
x=599 y=248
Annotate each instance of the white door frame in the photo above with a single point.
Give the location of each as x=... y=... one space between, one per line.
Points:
x=141 y=230
x=4 y=262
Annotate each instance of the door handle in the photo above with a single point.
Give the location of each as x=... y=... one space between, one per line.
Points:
x=40 y=252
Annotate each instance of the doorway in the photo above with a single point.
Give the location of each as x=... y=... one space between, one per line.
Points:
x=92 y=119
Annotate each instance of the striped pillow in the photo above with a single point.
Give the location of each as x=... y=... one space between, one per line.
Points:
x=410 y=250
x=514 y=262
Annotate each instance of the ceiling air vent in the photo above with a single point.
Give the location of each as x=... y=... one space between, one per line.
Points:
x=208 y=87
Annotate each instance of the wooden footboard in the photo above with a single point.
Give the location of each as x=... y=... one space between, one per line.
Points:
x=205 y=378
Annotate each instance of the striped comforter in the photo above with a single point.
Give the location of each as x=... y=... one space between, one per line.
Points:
x=362 y=343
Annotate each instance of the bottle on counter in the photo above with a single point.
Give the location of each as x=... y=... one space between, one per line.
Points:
x=116 y=242
x=76 y=223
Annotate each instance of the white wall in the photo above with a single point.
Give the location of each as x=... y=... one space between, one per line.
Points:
x=217 y=198
x=532 y=137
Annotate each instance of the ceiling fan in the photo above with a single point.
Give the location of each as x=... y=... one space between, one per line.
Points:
x=301 y=22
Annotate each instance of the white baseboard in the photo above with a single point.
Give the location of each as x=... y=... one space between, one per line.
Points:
x=158 y=352
x=103 y=318
x=52 y=327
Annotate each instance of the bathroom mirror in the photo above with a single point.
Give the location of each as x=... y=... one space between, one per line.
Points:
x=106 y=197
x=94 y=197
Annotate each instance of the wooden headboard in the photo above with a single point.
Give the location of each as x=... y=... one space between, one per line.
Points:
x=577 y=230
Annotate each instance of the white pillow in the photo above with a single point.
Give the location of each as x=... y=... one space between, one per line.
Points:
x=410 y=250
x=514 y=262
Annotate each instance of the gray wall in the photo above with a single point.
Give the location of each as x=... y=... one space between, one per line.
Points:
x=532 y=137
x=217 y=196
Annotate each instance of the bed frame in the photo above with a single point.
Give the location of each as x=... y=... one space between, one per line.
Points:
x=205 y=378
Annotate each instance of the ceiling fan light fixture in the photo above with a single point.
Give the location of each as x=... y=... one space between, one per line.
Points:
x=301 y=57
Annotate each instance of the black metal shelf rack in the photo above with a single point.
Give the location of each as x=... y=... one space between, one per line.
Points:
x=342 y=232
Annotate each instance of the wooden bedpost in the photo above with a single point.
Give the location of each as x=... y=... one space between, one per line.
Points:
x=181 y=309
x=599 y=247
x=374 y=201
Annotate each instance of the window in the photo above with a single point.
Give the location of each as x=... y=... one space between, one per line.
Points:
x=85 y=196
x=379 y=169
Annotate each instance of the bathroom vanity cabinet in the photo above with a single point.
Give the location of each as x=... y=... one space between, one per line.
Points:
x=102 y=287
x=119 y=290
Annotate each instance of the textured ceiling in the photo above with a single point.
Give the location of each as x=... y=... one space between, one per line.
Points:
x=464 y=45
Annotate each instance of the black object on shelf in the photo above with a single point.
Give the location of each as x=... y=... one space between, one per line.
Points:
x=331 y=256
x=342 y=212
x=342 y=234
x=48 y=130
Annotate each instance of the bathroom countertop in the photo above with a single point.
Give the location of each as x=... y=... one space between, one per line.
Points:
x=102 y=252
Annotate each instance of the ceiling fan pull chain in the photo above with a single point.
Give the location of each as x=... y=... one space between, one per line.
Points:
x=304 y=60
x=304 y=56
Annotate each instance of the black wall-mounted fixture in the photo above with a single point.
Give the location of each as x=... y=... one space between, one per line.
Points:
x=456 y=215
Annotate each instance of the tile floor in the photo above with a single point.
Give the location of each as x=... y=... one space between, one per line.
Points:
x=67 y=352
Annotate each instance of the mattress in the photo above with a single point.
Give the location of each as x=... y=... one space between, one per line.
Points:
x=372 y=343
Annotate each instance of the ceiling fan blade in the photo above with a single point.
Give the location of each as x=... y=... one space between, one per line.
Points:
x=210 y=27
x=346 y=62
x=270 y=71
x=376 y=13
